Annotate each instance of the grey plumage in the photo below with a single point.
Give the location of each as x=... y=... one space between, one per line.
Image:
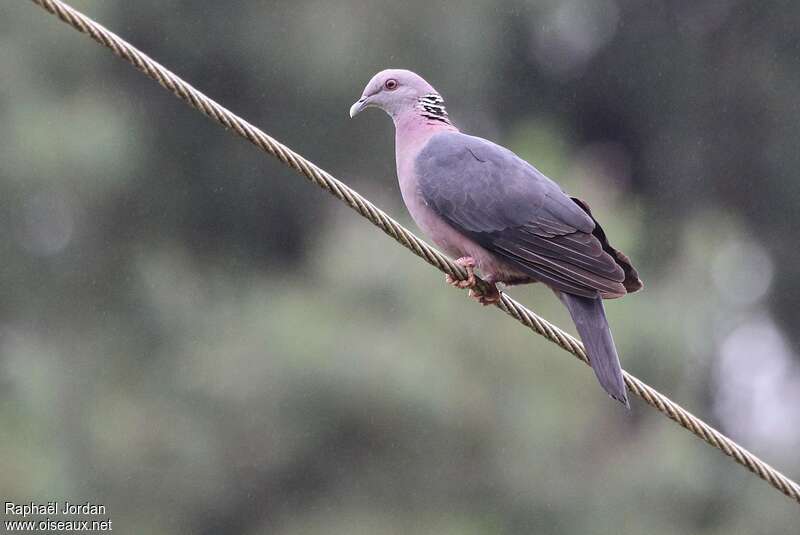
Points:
x=507 y=206
x=512 y=210
x=590 y=320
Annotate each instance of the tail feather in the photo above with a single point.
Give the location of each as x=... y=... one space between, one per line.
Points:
x=590 y=319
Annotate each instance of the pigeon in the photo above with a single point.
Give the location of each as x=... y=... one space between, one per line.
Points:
x=499 y=215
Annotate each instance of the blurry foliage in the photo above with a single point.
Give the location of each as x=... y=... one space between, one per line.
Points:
x=193 y=336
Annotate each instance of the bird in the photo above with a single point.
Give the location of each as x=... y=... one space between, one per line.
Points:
x=500 y=216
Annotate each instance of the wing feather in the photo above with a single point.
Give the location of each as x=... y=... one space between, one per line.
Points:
x=508 y=207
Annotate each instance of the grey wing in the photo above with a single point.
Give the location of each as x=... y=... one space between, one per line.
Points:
x=512 y=210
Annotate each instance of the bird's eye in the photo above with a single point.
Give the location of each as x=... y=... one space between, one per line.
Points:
x=391 y=84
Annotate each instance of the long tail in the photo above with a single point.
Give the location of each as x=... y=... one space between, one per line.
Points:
x=590 y=319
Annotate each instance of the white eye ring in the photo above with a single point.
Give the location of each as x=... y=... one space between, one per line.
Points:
x=390 y=84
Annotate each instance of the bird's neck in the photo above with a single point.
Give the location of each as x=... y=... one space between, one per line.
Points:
x=431 y=108
x=416 y=124
x=414 y=127
x=427 y=110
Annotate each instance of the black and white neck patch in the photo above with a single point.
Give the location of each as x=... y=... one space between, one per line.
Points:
x=432 y=107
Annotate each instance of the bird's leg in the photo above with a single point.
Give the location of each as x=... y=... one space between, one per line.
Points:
x=468 y=263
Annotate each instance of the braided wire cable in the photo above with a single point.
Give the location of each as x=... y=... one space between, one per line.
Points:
x=380 y=219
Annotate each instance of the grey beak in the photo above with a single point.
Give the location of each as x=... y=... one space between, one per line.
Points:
x=356 y=108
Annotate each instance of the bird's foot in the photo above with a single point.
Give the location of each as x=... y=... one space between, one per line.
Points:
x=468 y=263
x=489 y=298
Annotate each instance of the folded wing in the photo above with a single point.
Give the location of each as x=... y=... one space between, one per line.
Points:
x=511 y=209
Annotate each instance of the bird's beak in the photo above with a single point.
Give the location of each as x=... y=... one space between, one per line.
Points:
x=360 y=104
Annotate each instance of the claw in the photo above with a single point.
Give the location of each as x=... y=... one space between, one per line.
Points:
x=486 y=299
x=468 y=263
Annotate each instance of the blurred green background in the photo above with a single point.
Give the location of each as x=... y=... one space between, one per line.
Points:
x=197 y=338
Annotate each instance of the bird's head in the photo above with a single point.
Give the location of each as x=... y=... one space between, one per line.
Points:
x=396 y=91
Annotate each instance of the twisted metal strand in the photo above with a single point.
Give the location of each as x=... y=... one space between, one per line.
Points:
x=380 y=219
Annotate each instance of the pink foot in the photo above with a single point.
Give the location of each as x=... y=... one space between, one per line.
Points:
x=468 y=263
x=490 y=298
